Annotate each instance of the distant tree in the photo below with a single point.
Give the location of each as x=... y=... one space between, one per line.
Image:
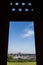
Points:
x=10 y=57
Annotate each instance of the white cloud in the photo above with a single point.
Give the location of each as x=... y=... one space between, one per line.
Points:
x=28 y=33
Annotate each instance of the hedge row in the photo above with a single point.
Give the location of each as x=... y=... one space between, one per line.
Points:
x=20 y=60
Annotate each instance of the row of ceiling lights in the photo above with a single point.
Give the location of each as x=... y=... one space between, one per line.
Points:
x=23 y=3
x=20 y=9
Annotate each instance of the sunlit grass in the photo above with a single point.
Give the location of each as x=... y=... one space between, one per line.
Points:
x=21 y=63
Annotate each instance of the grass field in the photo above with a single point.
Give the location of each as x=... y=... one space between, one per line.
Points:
x=21 y=63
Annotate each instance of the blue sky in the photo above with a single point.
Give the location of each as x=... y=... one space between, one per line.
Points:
x=21 y=37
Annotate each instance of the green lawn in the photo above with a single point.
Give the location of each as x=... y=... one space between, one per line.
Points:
x=21 y=63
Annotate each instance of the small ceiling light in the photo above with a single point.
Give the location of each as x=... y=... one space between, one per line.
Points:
x=29 y=4
x=31 y=9
x=23 y=3
x=16 y=3
x=13 y=9
x=26 y=10
x=11 y=3
x=20 y=9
